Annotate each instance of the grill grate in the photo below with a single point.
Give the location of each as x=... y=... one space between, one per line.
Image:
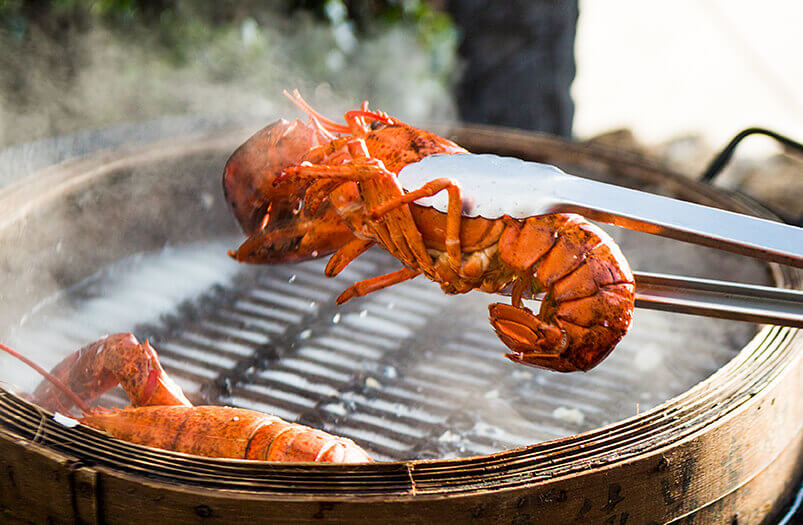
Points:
x=407 y=372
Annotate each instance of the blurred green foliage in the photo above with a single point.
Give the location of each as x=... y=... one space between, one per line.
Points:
x=178 y=23
x=74 y=64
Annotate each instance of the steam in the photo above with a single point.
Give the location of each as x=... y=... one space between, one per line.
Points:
x=113 y=78
x=94 y=88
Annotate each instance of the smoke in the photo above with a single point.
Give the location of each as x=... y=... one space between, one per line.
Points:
x=96 y=77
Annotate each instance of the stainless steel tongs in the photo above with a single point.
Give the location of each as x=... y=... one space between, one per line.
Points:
x=508 y=186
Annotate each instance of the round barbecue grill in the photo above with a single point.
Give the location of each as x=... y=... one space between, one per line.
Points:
x=688 y=417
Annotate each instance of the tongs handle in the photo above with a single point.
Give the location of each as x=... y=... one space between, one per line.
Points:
x=685 y=221
x=497 y=186
x=725 y=300
x=504 y=186
x=721 y=299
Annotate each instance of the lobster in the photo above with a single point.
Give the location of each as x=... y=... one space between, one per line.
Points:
x=300 y=191
x=161 y=416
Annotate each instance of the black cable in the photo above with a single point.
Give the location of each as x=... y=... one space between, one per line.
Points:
x=795 y=511
x=723 y=157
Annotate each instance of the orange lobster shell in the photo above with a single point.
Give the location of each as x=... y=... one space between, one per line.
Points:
x=303 y=191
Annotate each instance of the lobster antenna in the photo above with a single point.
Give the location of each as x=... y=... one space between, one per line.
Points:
x=330 y=125
x=50 y=377
x=319 y=128
x=373 y=115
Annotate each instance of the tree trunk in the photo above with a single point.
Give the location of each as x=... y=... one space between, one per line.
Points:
x=518 y=62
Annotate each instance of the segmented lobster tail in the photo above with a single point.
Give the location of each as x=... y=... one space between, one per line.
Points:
x=590 y=293
x=225 y=432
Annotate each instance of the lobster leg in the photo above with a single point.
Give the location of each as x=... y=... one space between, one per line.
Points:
x=400 y=231
x=329 y=125
x=373 y=284
x=355 y=171
x=99 y=366
x=453 y=214
x=345 y=255
x=316 y=195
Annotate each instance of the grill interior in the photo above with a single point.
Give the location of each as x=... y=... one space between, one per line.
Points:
x=407 y=372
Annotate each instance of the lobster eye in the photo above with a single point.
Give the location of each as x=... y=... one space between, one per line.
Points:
x=377 y=124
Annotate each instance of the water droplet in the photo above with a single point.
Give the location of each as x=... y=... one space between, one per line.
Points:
x=292 y=278
x=569 y=415
x=648 y=357
x=207 y=200
x=305 y=334
x=313 y=304
x=492 y=394
x=449 y=437
x=314 y=253
x=235 y=418
x=249 y=32
x=370 y=382
x=336 y=319
x=364 y=314
x=485 y=429
x=66 y=421
x=339 y=409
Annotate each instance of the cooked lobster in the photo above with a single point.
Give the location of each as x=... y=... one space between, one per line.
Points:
x=161 y=416
x=301 y=191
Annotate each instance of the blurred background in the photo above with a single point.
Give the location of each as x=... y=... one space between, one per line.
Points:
x=674 y=80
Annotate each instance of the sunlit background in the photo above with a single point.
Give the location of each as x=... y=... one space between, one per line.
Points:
x=705 y=67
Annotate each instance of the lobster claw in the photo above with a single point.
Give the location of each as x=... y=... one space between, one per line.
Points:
x=306 y=239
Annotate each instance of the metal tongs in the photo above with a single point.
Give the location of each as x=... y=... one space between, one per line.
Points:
x=529 y=188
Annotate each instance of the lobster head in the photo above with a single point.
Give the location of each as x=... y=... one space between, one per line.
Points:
x=250 y=171
x=279 y=227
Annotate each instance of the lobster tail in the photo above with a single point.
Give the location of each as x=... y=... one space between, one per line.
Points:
x=279 y=440
x=225 y=432
x=590 y=293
